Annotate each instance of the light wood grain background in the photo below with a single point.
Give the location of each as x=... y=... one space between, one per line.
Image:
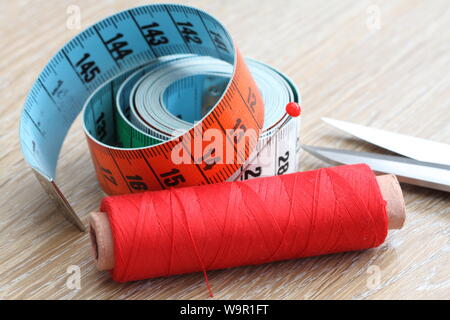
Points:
x=395 y=78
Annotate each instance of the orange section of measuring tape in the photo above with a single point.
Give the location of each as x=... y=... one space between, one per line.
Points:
x=127 y=171
x=232 y=224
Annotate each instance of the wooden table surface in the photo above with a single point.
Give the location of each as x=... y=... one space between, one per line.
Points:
x=380 y=63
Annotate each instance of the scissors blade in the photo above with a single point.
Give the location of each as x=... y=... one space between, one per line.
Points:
x=410 y=171
x=412 y=147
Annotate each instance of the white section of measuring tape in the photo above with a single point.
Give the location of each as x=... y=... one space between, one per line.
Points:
x=274 y=155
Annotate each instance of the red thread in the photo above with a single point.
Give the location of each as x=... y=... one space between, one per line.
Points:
x=232 y=224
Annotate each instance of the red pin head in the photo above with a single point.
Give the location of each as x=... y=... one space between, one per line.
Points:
x=293 y=109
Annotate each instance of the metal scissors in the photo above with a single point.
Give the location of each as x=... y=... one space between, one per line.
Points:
x=420 y=162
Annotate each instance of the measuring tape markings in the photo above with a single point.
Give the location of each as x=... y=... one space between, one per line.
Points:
x=222 y=118
x=113 y=49
x=269 y=82
x=276 y=155
x=278 y=146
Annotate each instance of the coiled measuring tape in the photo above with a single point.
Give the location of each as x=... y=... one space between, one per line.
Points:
x=165 y=96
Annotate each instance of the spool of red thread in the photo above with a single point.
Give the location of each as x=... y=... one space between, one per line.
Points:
x=230 y=224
